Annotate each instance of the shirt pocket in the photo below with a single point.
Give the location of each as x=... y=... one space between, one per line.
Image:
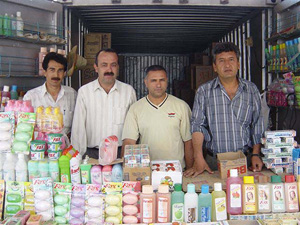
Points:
x=119 y=114
x=244 y=114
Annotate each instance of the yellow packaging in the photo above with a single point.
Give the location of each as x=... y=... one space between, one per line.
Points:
x=249 y=196
x=29 y=198
x=2 y=190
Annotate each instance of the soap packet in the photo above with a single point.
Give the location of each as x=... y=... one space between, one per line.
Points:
x=62 y=201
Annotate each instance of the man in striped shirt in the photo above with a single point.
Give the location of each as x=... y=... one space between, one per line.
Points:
x=101 y=106
x=226 y=114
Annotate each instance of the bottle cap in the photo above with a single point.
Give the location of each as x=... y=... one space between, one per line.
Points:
x=6 y=88
x=177 y=187
x=275 y=179
x=147 y=189
x=204 y=188
x=248 y=180
x=191 y=188
x=43 y=49
x=263 y=179
x=217 y=187
x=18 y=14
x=14 y=87
x=233 y=173
x=289 y=179
x=163 y=188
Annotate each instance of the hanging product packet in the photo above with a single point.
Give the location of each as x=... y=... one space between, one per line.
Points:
x=131 y=203
x=24 y=133
x=7 y=130
x=113 y=202
x=94 y=204
x=77 y=204
x=43 y=197
x=29 y=198
x=14 y=196
x=62 y=201
x=2 y=189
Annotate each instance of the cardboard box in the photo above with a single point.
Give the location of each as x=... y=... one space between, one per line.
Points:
x=88 y=74
x=200 y=58
x=201 y=75
x=106 y=40
x=92 y=45
x=231 y=160
x=142 y=174
x=162 y=177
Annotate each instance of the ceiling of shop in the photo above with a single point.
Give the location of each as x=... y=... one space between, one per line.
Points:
x=163 y=28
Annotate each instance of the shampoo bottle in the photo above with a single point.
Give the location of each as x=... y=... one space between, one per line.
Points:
x=219 y=211
x=96 y=174
x=163 y=202
x=204 y=204
x=263 y=195
x=249 y=196
x=147 y=204
x=234 y=193
x=278 y=198
x=177 y=204
x=291 y=194
x=191 y=205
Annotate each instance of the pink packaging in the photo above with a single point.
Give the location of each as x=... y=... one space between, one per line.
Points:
x=131 y=201
x=23 y=216
x=108 y=150
x=77 y=204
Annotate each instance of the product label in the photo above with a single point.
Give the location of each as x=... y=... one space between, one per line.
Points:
x=106 y=176
x=221 y=213
x=162 y=209
x=292 y=197
x=277 y=197
x=85 y=176
x=249 y=199
x=177 y=212
x=64 y=178
x=205 y=214
x=191 y=215
x=235 y=196
x=263 y=197
x=147 y=210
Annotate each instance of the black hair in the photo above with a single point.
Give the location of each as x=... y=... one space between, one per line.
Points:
x=105 y=50
x=57 y=58
x=155 y=68
x=225 y=47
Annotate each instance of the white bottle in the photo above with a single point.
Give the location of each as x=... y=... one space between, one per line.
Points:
x=9 y=168
x=75 y=169
x=20 y=25
x=278 y=197
x=21 y=169
x=13 y=25
x=191 y=205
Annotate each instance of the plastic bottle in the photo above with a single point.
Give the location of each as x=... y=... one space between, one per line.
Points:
x=147 y=204
x=96 y=174
x=106 y=173
x=6 y=25
x=9 y=168
x=85 y=170
x=20 y=25
x=33 y=170
x=47 y=119
x=263 y=195
x=163 y=202
x=218 y=208
x=27 y=107
x=278 y=198
x=204 y=204
x=234 y=193
x=10 y=106
x=249 y=196
x=43 y=168
x=39 y=118
x=291 y=194
x=75 y=169
x=54 y=170
x=14 y=92
x=13 y=25
x=21 y=169
x=64 y=169
x=18 y=105
x=1 y=24
x=191 y=205
x=177 y=204
x=5 y=97
x=58 y=119
x=42 y=54
x=117 y=173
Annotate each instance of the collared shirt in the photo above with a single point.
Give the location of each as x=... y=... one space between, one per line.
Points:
x=228 y=125
x=66 y=100
x=98 y=114
x=164 y=128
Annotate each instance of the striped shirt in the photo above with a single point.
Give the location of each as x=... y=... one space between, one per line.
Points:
x=98 y=114
x=66 y=100
x=228 y=125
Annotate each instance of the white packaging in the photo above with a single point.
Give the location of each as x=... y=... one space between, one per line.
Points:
x=280 y=133
x=94 y=204
x=21 y=169
x=75 y=170
x=20 y=25
x=289 y=140
x=9 y=168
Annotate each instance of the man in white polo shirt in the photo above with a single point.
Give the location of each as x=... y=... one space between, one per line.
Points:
x=160 y=120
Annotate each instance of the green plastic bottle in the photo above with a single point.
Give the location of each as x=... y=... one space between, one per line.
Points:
x=177 y=204
x=85 y=170
x=64 y=169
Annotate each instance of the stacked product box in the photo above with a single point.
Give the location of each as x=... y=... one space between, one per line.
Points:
x=278 y=149
x=137 y=156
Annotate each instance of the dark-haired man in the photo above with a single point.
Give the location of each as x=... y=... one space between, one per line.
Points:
x=160 y=120
x=101 y=106
x=226 y=114
x=52 y=92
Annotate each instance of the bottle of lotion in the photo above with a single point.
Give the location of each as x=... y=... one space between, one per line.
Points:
x=278 y=198
x=163 y=202
x=291 y=195
x=234 y=193
x=249 y=196
x=191 y=204
x=147 y=204
x=263 y=195
x=219 y=211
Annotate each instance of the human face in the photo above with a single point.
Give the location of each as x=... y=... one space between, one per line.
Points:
x=226 y=65
x=108 y=68
x=54 y=74
x=156 y=83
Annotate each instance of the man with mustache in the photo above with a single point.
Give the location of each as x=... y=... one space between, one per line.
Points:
x=226 y=114
x=101 y=106
x=52 y=92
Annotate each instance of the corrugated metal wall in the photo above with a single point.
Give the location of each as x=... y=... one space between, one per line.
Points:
x=136 y=64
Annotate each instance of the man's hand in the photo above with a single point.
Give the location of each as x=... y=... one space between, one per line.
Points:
x=199 y=167
x=257 y=164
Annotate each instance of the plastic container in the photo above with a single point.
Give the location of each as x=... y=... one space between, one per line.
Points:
x=204 y=204
x=278 y=198
x=64 y=169
x=43 y=168
x=33 y=170
x=163 y=202
x=218 y=207
x=14 y=92
x=234 y=193
x=177 y=204
x=263 y=195
x=291 y=194
x=106 y=173
x=96 y=174
x=191 y=205
x=21 y=169
x=10 y=106
x=75 y=169
x=249 y=196
x=9 y=168
x=147 y=204
x=27 y=107
x=85 y=170
x=13 y=25
x=108 y=150
x=20 y=25
x=6 y=25
x=117 y=173
x=42 y=54
x=54 y=170
x=5 y=96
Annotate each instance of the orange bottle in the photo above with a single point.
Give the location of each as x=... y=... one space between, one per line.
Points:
x=163 y=202
x=147 y=204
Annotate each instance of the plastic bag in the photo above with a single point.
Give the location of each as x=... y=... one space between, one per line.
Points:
x=108 y=150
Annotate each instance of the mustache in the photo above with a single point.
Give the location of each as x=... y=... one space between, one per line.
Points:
x=109 y=74
x=55 y=78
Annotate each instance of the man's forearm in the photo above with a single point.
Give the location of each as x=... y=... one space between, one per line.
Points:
x=197 y=140
x=256 y=149
x=188 y=154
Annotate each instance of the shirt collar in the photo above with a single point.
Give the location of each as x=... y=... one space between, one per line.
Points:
x=44 y=90
x=98 y=86
x=242 y=83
